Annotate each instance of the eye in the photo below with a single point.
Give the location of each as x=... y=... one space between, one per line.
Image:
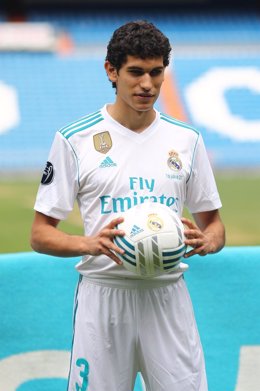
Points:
x=156 y=72
x=136 y=72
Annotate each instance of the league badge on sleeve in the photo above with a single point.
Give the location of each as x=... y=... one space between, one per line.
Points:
x=48 y=174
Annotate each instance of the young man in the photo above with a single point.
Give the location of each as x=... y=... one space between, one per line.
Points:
x=106 y=160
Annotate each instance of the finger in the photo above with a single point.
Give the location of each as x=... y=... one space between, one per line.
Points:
x=190 y=224
x=110 y=234
x=192 y=252
x=194 y=242
x=116 y=249
x=113 y=223
x=189 y=254
x=114 y=258
x=109 y=245
x=200 y=250
x=117 y=232
x=111 y=253
x=191 y=233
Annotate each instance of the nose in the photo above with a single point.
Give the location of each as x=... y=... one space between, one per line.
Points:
x=146 y=82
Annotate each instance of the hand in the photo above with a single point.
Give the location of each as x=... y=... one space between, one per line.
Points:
x=102 y=242
x=195 y=238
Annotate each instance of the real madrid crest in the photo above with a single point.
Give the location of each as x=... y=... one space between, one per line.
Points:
x=155 y=223
x=174 y=162
x=102 y=142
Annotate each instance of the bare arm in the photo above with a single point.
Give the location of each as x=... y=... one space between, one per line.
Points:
x=48 y=239
x=206 y=235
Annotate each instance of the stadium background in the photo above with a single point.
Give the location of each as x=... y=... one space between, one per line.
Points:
x=213 y=82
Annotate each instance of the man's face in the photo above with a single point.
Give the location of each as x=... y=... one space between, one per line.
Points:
x=139 y=82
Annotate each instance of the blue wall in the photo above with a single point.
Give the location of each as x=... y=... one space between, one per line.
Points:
x=36 y=300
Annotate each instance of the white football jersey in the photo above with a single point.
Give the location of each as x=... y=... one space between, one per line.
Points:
x=109 y=168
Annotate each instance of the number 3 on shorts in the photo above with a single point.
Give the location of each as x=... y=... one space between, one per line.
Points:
x=83 y=364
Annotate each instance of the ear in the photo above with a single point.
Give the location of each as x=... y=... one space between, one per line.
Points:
x=111 y=71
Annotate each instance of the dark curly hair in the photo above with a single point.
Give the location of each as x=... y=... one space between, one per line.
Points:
x=141 y=39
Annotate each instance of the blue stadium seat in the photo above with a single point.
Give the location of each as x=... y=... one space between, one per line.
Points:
x=53 y=90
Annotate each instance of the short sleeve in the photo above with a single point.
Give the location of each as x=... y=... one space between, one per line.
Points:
x=202 y=193
x=59 y=185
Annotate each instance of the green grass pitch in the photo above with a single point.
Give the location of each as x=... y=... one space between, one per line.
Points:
x=240 y=212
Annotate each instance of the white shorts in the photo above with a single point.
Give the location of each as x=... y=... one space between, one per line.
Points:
x=120 y=331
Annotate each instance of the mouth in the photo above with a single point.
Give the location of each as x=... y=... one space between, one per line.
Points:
x=144 y=95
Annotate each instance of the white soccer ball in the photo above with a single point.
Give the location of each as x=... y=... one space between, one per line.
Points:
x=153 y=241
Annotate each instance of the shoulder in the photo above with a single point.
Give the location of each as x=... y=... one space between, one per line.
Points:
x=179 y=125
x=83 y=124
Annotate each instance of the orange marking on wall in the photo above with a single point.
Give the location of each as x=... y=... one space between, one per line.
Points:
x=65 y=44
x=170 y=98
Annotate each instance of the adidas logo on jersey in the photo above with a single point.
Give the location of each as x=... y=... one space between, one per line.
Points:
x=107 y=162
x=135 y=231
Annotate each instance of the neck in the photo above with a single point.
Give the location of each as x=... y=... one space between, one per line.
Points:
x=137 y=121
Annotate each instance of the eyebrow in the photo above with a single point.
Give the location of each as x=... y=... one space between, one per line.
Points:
x=133 y=68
